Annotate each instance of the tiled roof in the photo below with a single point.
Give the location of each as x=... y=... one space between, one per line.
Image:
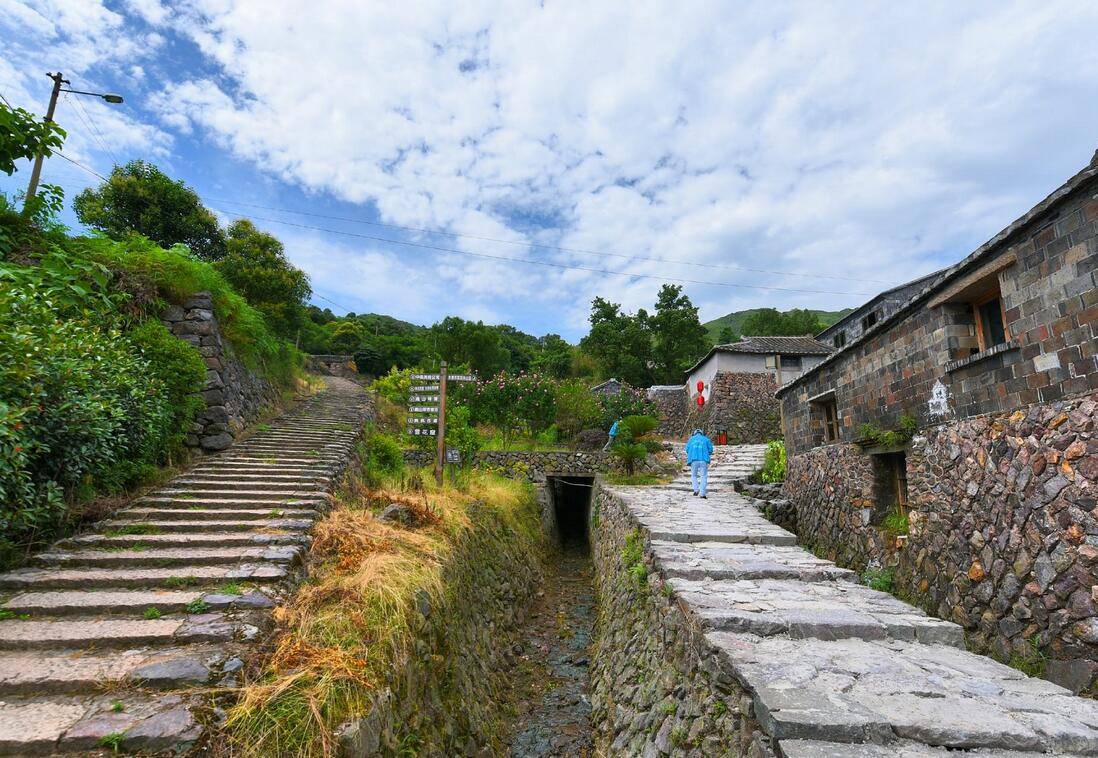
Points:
x=771 y=345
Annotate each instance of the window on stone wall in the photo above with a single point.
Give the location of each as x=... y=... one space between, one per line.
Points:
x=839 y=340
x=791 y=362
x=825 y=415
x=990 y=321
x=869 y=320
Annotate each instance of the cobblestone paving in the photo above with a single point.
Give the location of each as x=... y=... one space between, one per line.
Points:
x=835 y=668
x=105 y=636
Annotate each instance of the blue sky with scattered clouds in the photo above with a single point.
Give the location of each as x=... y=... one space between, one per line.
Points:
x=834 y=147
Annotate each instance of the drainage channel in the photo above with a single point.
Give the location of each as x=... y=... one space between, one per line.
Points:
x=553 y=709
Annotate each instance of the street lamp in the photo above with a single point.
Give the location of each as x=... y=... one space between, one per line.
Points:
x=58 y=80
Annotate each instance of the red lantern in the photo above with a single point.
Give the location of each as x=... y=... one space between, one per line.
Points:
x=701 y=401
x=701 y=386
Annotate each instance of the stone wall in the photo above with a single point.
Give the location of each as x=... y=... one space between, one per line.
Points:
x=657 y=686
x=332 y=365
x=1003 y=535
x=234 y=395
x=531 y=465
x=673 y=406
x=741 y=404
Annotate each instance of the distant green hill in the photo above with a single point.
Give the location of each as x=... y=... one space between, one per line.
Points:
x=736 y=319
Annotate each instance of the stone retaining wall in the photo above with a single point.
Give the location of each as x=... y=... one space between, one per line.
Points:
x=531 y=465
x=657 y=686
x=672 y=404
x=444 y=698
x=332 y=365
x=234 y=394
x=1003 y=535
x=741 y=404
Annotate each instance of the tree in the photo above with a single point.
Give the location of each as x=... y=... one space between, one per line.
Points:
x=769 y=322
x=255 y=265
x=554 y=356
x=139 y=198
x=678 y=337
x=727 y=336
x=621 y=344
x=471 y=343
x=24 y=137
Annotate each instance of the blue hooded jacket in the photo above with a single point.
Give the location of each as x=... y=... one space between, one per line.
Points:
x=698 y=447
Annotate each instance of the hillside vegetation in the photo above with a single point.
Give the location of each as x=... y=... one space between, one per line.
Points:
x=735 y=322
x=95 y=393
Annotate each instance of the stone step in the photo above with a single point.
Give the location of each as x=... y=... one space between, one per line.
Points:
x=268 y=484
x=129 y=602
x=58 y=672
x=169 y=578
x=258 y=459
x=164 y=557
x=165 y=512
x=316 y=479
x=182 y=539
x=231 y=499
x=227 y=525
x=115 y=633
x=56 y=725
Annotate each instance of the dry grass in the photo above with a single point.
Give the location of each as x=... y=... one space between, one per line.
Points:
x=349 y=625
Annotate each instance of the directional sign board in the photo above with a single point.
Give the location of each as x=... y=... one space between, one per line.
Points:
x=416 y=432
x=424 y=398
x=453 y=455
x=423 y=420
x=427 y=377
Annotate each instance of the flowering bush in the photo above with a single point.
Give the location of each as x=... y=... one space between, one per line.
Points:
x=514 y=403
x=628 y=402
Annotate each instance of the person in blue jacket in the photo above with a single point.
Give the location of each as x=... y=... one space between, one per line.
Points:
x=698 y=452
x=612 y=434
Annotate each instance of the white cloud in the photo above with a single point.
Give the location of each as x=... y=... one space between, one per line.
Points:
x=873 y=142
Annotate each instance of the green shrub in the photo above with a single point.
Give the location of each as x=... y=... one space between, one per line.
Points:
x=878 y=579
x=773 y=469
x=895 y=523
x=577 y=409
x=394 y=386
x=629 y=402
x=460 y=433
x=632 y=557
x=383 y=457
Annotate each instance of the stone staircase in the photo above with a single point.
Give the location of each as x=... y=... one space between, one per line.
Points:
x=105 y=636
x=832 y=667
x=730 y=464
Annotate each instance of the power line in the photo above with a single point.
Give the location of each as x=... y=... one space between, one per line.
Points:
x=97 y=135
x=582 y=251
x=93 y=172
x=548 y=264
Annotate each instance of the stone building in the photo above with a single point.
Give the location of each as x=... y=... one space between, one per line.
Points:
x=953 y=444
x=738 y=382
x=610 y=388
x=880 y=307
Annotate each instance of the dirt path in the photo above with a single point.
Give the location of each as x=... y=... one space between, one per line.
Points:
x=553 y=713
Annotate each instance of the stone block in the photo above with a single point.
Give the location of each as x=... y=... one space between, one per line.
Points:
x=217 y=441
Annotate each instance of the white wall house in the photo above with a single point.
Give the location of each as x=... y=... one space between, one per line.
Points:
x=786 y=358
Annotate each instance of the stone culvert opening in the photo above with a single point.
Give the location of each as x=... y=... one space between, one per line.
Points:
x=572 y=509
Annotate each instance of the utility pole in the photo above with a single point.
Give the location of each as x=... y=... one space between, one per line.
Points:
x=441 y=450
x=36 y=172
x=58 y=80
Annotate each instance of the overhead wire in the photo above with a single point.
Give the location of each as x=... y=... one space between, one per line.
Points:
x=535 y=262
x=97 y=135
x=541 y=246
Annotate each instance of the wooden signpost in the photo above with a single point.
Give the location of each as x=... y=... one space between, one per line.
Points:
x=429 y=398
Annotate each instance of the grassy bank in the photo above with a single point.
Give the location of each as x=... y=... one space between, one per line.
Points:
x=383 y=599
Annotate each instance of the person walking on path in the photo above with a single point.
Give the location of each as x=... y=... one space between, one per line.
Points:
x=612 y=434
x=698 y=452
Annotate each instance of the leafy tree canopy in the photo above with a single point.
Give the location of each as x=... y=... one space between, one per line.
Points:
x=255 y=265
x=678 y=336
x=24 y=137
x=140 y=198
x=769 y=322
x=620 y=343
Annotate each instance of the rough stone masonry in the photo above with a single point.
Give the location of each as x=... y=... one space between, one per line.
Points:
x=717 y=635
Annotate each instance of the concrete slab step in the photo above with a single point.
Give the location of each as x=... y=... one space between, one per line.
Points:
x=218 y=475
x=31 y=578
x=183 y=539
x=198 y=502
x=204 y=525
x=163 y=512
x=58 y=725
x=164 y=557
x=202 y=484
x=115 y=633
x=57 y=672
x=184 y=493
x=121 y=602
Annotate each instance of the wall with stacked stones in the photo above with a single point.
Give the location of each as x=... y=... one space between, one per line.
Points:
x=672 y=404
x=657 y=687
x=1003 y=528
x=332 y=365
x=234 y=395
x=742 y=405
x=531 y=465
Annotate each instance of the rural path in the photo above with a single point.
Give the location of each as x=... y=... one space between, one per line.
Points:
x=835 y=668
x=105 y=634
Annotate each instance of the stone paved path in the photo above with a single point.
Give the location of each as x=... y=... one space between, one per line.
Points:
x=835 y=668
x=105 y=633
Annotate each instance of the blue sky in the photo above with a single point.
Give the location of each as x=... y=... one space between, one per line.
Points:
x=832 y=147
